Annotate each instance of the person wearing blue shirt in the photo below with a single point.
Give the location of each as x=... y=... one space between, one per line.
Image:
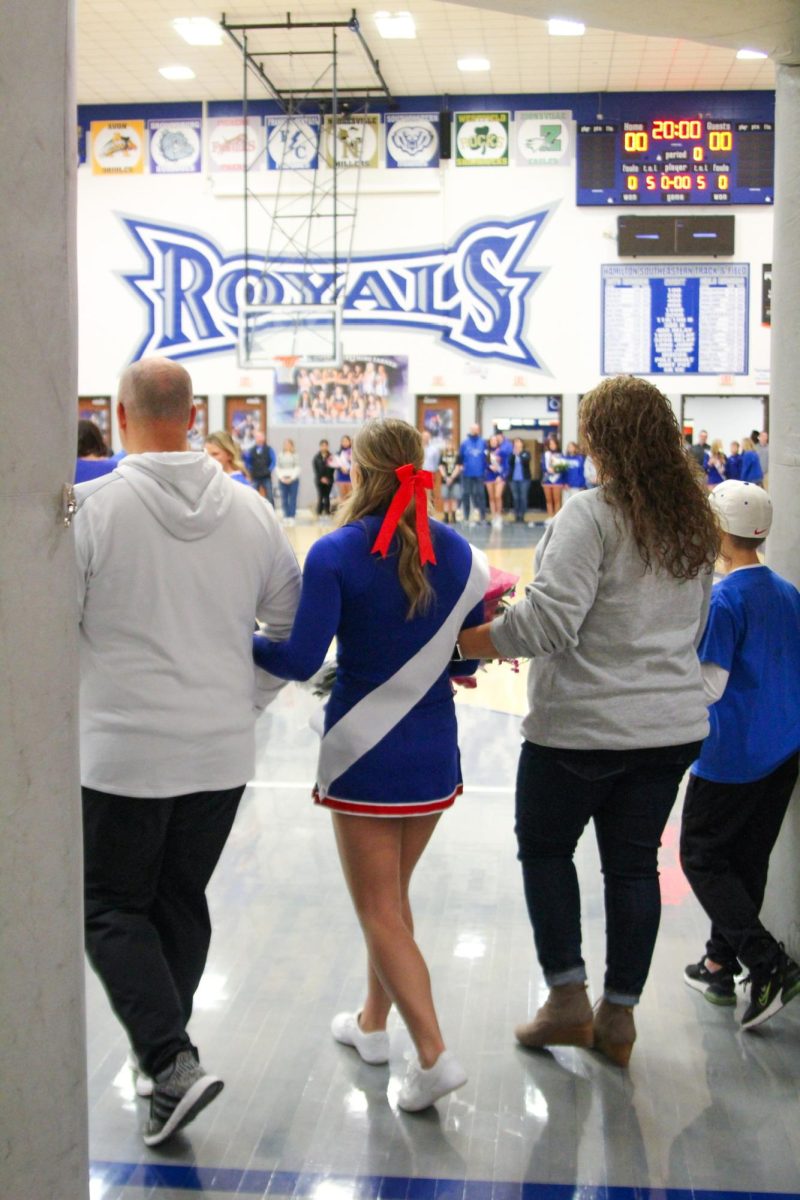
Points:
x=93 y=459
x=260 y=461
x=741 y=784
x=715 y=465
x=751 y=471
x=733 y=463
x=395 y=591
x=573 y=476
x=472 y=457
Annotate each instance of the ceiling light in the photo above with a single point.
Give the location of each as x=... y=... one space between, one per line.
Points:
x=558 y=27
x=176 y=72
x=751 y=54
x=198 y=31
x=473 y=64
x=395 y=25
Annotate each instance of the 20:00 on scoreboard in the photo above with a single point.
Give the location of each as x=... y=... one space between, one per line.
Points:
x=676 y=160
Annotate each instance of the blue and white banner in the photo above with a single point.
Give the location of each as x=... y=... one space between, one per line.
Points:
x=175 y=146
x=412 y=139
x=472 y=294
x=293 y=142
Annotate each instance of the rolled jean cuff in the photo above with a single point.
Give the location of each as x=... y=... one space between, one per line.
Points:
x=573 y=975
x=624 y=998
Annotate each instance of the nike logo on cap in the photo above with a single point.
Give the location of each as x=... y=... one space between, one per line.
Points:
x=758 y=532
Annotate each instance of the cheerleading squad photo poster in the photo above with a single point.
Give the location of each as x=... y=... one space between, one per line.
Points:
x=362 y=388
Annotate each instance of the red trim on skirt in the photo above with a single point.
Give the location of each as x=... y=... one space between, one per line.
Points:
x=363 y=808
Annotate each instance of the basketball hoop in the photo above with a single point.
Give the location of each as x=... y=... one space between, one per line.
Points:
x=287 y=361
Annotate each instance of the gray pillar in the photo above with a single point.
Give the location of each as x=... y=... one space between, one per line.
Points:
x=43 y=1141
x=782 y=906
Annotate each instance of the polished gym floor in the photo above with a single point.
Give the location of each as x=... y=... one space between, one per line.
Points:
x=703 y=1109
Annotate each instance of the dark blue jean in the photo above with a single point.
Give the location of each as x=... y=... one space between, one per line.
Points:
x=473 y=490
x=519 y=490
x=629 y=795
x=289 y=497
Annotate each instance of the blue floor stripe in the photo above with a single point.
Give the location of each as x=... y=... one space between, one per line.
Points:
x=301 y=1184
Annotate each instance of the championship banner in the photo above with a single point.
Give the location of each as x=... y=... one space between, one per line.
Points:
x=293 y=142
x=357 y=140
x=412 y=140
x=543 y=139
x=175 y=147
x=117 y=147
x=231 y=143
x=482 y=139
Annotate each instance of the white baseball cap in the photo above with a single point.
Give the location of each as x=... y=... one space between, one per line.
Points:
x=744 y=509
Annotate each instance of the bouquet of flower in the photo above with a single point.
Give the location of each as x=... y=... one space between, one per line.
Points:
x=502 y=586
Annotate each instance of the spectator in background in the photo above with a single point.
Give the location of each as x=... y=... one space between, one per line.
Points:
x=449 y=471
x=590 y=473
x=221 y=447
x=505 y=448
x=733 y=463
x=323 y=479
x=495 y=480
x=574 y=478
x=700 y=450
x=715 y=466
x=762 y=450
x=554 y=469
x=472 y=457
x=519 y=476
x=343 y=464
x=431 y=453
x=288 y=470
x=93 y=459
x=261 y=464
x=751 y=464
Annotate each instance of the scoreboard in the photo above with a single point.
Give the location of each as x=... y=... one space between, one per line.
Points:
x=675 y=160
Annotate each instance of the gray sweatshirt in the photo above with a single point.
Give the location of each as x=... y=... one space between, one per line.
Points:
x=613 y=647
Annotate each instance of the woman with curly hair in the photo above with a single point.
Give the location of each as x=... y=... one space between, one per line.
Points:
x=617 y=711
x=394 y=590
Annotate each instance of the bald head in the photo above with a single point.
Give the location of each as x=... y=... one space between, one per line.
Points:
x=155 y=405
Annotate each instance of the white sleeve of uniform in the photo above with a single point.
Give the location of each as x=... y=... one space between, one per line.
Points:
x=276 y=608
x=715 y=680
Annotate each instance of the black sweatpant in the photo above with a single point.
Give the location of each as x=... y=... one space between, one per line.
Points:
x=147 y=863
x=727 y=836
x=323 y=497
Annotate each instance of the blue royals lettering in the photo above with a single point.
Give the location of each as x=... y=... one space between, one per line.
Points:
x=473 y=293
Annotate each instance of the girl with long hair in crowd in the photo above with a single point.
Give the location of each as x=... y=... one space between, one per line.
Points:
x=344 y=458
x=616 y=705
x=224 y=448
x=395 y=590
x=495 y=480
x=552 y=476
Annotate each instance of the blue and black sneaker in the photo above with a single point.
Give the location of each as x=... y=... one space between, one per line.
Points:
x=771 y=989
x=717 y=986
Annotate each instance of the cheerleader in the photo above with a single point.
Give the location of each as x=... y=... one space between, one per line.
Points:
x=395 y=591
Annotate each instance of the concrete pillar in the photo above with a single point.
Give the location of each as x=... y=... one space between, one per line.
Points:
x=43 y=1138
x=782 y=907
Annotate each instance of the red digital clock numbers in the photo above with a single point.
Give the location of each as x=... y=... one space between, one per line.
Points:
x=669 y=131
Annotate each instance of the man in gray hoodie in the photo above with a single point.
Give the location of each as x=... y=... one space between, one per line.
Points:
x=175 y=562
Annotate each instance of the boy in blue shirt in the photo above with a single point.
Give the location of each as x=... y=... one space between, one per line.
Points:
x=742 y=783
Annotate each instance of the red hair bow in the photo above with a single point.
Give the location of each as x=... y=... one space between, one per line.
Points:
x=412 y=484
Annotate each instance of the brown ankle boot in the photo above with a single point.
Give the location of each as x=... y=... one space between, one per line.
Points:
x=614 y=1031
x=565 y=1019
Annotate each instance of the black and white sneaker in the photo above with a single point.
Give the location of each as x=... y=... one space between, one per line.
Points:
x=771 y=990
x=179 y=1093
x=717 y=986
